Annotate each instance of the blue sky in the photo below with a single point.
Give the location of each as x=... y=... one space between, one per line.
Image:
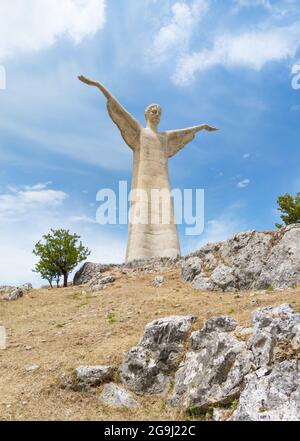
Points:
x=226 y=63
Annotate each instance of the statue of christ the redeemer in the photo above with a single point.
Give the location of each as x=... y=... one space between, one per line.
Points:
x=151 y=151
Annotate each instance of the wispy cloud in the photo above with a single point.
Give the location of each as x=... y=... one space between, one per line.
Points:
x=177 y=33
x=266 y=4
x=243 y=184
x=34 y=25
x=19 y=202
x=83 y=219
x=247 y=50
x=277 y=8
x=40 y=186
x=273 y=35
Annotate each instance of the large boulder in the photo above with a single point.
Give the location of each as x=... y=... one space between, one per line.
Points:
x=11 y=293
x=147 y=366
x=272 y=391
x=250 y=260
x=87 y=377
x=274 y=397
x=116 y=396
x=213 y=370
x=276 y=334
x=90 y=271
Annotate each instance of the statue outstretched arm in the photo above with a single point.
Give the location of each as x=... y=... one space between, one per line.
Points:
x=129 y=127
x=177 y=139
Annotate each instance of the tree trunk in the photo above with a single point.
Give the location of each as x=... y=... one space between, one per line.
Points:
x=65 y=280
x=50 y=283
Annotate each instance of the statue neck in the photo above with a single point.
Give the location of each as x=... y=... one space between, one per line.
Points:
x=152 y=127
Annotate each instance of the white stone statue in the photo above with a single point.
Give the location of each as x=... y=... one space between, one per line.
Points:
x=148 y=238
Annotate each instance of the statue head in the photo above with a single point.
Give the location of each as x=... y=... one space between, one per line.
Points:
x=153 y=114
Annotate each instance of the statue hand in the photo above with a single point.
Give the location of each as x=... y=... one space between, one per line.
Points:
x=209 y=128
x=86 y=80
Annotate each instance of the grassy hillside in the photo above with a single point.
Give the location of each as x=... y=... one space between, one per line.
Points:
x=61 y=329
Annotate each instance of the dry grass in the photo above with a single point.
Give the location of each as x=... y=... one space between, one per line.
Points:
x=66 y=329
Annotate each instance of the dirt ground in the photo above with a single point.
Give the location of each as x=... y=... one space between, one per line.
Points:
x=61 y=329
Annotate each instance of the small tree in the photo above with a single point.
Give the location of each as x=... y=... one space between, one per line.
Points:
x=289 y=206
x=47 y=271
x=59 y=255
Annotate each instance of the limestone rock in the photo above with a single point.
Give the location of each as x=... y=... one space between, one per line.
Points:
x=273 y=397
x=158 y=281
x=276 y=333
x=31 y=368
x=190 y=268
x=221 y=414
x=88 y=271
x=147 y=366
x=94 y=375
x=87 y=377
x=116 y=396
x=250 y=260
x=11 y=293
x=203 y=283
x=99 y=282
x=214 y=369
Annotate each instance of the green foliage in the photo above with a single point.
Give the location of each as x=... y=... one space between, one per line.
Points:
x=111 y=318
x=263 y=409
x=47 y=272
x=60 y=253
x=289 y=206
x=234 y=404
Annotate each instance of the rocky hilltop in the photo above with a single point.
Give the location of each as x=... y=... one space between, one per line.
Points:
x=221 y=372
x=249 y=260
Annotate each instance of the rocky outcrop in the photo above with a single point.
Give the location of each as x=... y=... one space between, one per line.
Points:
x=88 y=272
x=276 y=335
x=11 y=293
x=250 y=260
x=272 y=397
x=116 y=396
x=87 y=377
x=148 y=365
x=223 y=371
x=214 y=368
x=100 y=281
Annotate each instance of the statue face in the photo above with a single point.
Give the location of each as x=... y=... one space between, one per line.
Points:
x=153 y=114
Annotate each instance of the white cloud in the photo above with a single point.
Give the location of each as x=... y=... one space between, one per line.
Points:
x=177 y=33
x=40 y=186
x=249 y=50
x=277 y=8
x=23 y=201
x=252 y=3
x=244 y=183
x=32 y=25
x=83 y=219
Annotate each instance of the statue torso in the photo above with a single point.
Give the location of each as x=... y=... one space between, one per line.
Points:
x=150 y=168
